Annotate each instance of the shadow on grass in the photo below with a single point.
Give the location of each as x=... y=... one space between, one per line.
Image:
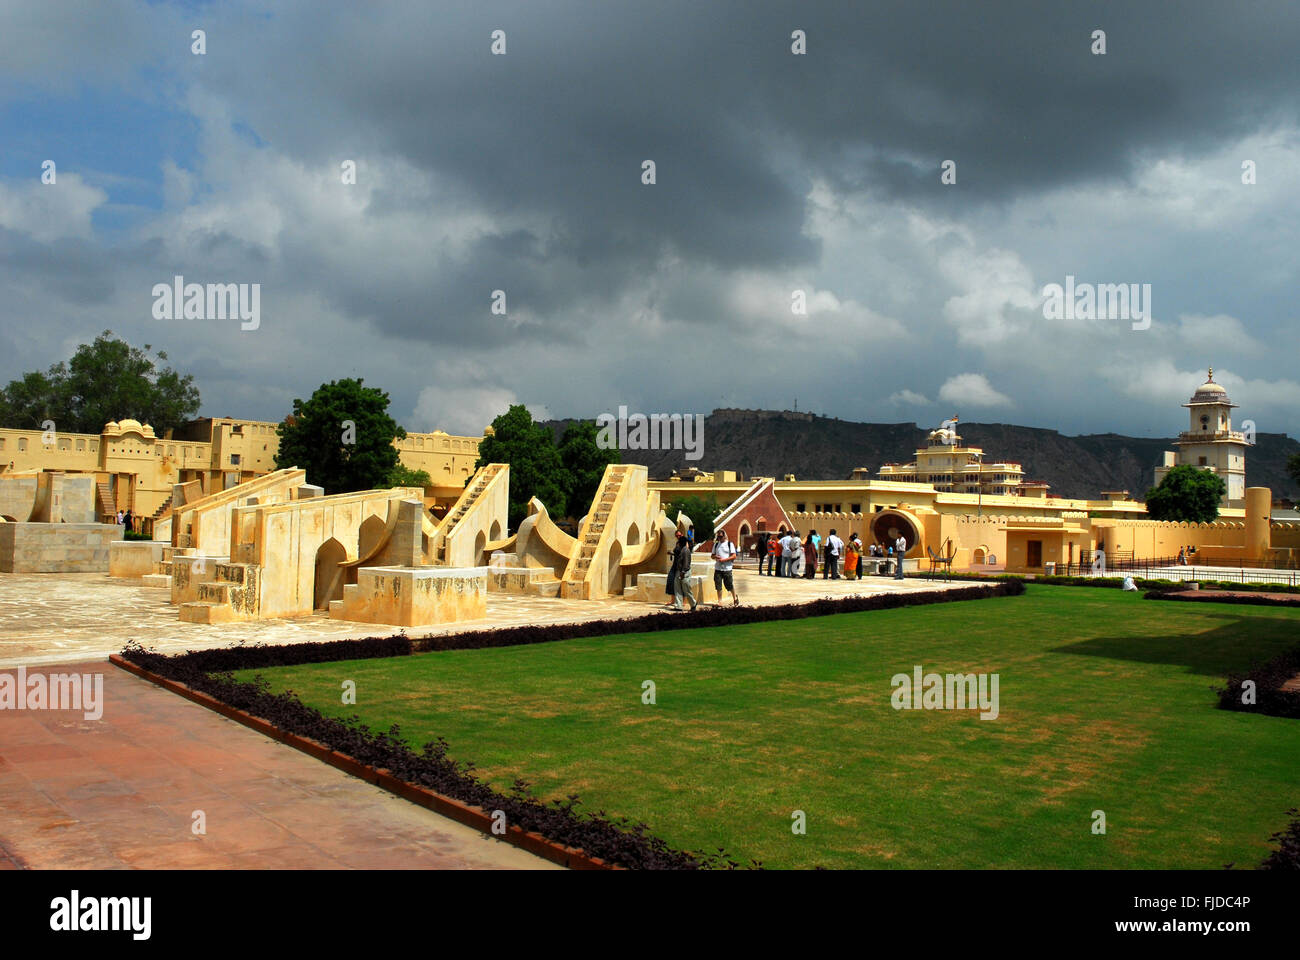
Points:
x=1239 y=644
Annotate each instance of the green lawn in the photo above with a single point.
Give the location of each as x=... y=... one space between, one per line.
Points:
x=1106 y=703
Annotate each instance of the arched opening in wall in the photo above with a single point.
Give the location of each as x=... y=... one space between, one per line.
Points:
x=781 y=529
x=978 y=556
x=613 y=573
x=479 y=543
x=888 y=525
x=495 y=533
x=761 y=524
x=633 y=535
x=329 y=575
x=370 y=534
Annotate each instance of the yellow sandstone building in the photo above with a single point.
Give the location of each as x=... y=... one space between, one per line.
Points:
x=135 y=470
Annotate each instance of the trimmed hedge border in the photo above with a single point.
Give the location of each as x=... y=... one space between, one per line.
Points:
x=1270 y=699
x=1287 y=854
x=1197 y=596
x=1157 y=584
x=433 y=779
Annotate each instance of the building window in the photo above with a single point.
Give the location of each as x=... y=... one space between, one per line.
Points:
x=1202 y=462
x=799 y=507
x=855 y=508
x=234 y=459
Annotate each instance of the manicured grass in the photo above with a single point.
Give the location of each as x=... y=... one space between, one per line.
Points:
x=1106 y=703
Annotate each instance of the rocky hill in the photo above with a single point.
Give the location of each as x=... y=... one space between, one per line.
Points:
x=774 y=443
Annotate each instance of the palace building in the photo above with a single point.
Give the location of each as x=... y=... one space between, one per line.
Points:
x=951 y=467
x=134 y=469
x=1210 y=443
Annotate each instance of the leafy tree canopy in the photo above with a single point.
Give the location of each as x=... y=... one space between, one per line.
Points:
x=701 y=510
x=584 y=463
x=105 y=380
x=536 y=469
x=403 y=476
x=342 y=436
x=1186 y=494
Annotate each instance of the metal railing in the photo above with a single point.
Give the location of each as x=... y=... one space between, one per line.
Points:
x=1169 y=568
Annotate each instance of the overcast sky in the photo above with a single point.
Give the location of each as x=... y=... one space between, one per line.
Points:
x=775 y=172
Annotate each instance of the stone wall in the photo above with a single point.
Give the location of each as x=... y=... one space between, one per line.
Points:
x=56 y=547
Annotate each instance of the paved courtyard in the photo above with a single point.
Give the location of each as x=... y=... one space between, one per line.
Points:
x=121 y=792
x=54 y=618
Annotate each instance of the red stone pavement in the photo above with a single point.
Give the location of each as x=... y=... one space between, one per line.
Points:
x=120 y=792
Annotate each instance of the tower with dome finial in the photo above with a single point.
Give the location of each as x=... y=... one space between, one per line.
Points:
x=1210 y=443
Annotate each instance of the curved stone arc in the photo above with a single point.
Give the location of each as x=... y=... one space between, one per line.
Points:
x=552 y=536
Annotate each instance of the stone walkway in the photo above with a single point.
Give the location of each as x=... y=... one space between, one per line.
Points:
x=122 y=792
x=60 y=618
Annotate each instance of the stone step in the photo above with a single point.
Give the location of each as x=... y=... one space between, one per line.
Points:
x=157 y=580
x=544 y=588
x=215 y=592
x=198 y=611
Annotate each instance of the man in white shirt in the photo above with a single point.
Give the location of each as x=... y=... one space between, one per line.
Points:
x=790 y=547
x=724 y=552
x=900 y=548
x=834 y=550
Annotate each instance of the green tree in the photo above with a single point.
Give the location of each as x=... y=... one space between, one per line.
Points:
x=105 y=380
x=1186 y=494
x=701 y=510
x=584 y=463
x=535 y=466
x=343 y=437
x=403 y=476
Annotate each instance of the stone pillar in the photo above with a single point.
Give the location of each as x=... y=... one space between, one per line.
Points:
x=406 y=548
x=1259 y=509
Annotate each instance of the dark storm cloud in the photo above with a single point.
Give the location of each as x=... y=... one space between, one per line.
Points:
x=556 y=130
x=523 y=173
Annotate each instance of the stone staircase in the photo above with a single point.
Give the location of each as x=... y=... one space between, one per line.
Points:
x=438 y=548
x=104 y=500
x=223 y=599
x=162 y=571
x=592 y=534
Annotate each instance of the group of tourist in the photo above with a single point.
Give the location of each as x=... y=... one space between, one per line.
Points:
x=787 y=556
x=126 y=520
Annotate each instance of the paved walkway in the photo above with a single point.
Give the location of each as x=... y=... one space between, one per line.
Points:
x=121 y=792
x=61 y=618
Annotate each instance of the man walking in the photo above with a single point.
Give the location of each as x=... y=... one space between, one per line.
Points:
x=724 y=553
x=773 y=554
x=834 y=548
x=680 y=577
x=900 y=548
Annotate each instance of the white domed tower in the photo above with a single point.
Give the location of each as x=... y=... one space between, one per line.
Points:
x=1210 y=442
